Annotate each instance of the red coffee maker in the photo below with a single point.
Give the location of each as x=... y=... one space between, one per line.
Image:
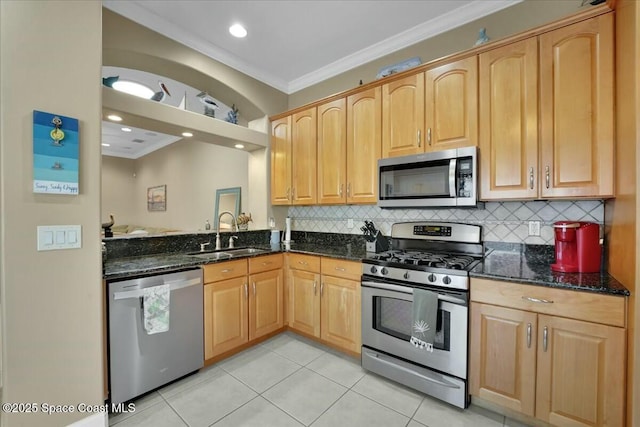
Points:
x=577 y=247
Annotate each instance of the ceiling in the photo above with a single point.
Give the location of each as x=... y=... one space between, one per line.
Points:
x=295 y=44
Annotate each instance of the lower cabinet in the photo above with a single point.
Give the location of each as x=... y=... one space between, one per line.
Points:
x=324 y=299
x=528 y=356
x=243 y=300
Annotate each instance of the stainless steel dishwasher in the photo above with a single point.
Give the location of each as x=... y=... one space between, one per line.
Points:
x=142 y=358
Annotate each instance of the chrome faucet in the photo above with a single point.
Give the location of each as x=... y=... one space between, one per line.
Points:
x=234 y=223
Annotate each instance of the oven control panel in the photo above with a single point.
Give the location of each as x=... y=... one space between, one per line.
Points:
x=432 y=230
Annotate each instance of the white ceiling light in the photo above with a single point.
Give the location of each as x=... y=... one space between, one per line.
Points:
x=187 y=134
x=104 y=144
x=238 y=30
x=133 y=88
x=239 y=146
x=114 y=118
x=126 y=129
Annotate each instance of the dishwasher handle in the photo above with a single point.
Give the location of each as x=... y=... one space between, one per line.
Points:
x=174 y=285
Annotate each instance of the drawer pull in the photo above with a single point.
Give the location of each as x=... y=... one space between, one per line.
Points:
x=254 y=289
x=531 y=178
x=227 y=270
x=246 y=291
x=528 y=335
x=543 y=301
x=341 y=269
x=315 y=285
x=267 y=263
x=321 y=288
x=545 y=338
x=303 y=262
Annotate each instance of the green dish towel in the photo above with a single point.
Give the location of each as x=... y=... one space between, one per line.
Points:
x=425 y=316
x=156 y=309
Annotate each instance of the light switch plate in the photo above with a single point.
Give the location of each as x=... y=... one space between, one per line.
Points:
x=350 y=223
x=534 y=228
x=54 y=237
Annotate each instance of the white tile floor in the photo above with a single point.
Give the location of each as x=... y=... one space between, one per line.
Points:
x=291 y=381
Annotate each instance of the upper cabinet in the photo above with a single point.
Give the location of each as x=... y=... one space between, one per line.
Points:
x=349 y=148
x=294 y=137
x=403 y=116
x=567 y=75
x=576 y=109
x=451 y=105
x=509 y=121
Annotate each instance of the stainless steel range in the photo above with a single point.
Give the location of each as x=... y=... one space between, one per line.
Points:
x=432 y=256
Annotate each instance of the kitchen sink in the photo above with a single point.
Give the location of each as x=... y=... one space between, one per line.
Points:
x=226 y=253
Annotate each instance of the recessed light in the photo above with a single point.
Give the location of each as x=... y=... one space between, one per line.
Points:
x=187 y=134
x=114 y=118
x=239 y=146
x=133 y=88
x=126 y=129
x=238 y=30
x=104 y=144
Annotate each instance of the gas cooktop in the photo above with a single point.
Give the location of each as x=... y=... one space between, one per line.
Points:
x=427 y=259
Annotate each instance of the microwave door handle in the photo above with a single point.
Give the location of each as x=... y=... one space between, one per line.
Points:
x=452 y=178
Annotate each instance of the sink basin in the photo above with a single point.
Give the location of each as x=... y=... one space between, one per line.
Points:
x=244 y=251
x=226 y=253
x=211 y=255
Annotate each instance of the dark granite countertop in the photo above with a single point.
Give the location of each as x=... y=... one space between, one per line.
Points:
x=348 y=251
x=534 y=268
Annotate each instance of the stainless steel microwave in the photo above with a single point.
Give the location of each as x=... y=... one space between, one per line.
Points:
x=438 y=179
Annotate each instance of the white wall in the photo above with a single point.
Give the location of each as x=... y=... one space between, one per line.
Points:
x=118 y=189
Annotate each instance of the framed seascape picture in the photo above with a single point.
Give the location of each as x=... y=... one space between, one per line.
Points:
x=157 y=198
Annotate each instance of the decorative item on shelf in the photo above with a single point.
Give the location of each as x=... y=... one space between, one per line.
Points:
x=243 y=221
x=232 y=116
x=400 y=66
x=183 y=103
x=482 y=37
x=210 y=105
x=107 y=227
x=161 y=94
x=109 y=81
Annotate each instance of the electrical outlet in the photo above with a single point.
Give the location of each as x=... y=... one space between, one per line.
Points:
x=350 y=223
x=534 y=228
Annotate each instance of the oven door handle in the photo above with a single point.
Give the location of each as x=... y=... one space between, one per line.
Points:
x=440 y=381
x=409 y=290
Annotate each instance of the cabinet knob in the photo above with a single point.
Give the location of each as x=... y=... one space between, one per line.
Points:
x=545 y=338
x=419 y=138
x=547 y=177
x=531 y=178
x=528 y=335
x=429 y=136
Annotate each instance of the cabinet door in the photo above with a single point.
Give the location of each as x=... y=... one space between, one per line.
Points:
x=364 y=145
x=576 y=107
x=281 y=161
x=303 y=165
x=581 y=375
x=304 y=300
x=265 y=303
x=502 y=359
x=451 y=105
x=225 y=316
x=403 y=116
x=332 y=160
x=509 y=122
x=340 y=312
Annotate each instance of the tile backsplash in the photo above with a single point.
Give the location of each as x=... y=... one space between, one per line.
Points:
x=501 y=221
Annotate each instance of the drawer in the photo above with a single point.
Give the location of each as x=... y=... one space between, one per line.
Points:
x=341 y=268
x=224 y=270
x=588 y=306
x=265 y=263
x=303 y=262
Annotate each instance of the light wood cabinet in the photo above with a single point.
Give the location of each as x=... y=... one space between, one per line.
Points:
x=293 y=159
x=304 y=157
x=403 y=116
x=281 y=161
x=324 y=300
x=332 y=152
x=451 y=105
x=364 y=145
x=567 y=75
x=528 y=355
x=576 y=109
x=509 y=121
x=243 y=300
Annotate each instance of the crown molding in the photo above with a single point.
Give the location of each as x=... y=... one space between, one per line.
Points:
x=135 y=11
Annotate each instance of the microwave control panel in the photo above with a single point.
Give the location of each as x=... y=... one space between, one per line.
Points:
x=465 y=177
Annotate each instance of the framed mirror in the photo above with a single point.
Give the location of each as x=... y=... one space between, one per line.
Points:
x=227 y=199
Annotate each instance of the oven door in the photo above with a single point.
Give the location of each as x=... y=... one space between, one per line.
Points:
x=387 y=321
